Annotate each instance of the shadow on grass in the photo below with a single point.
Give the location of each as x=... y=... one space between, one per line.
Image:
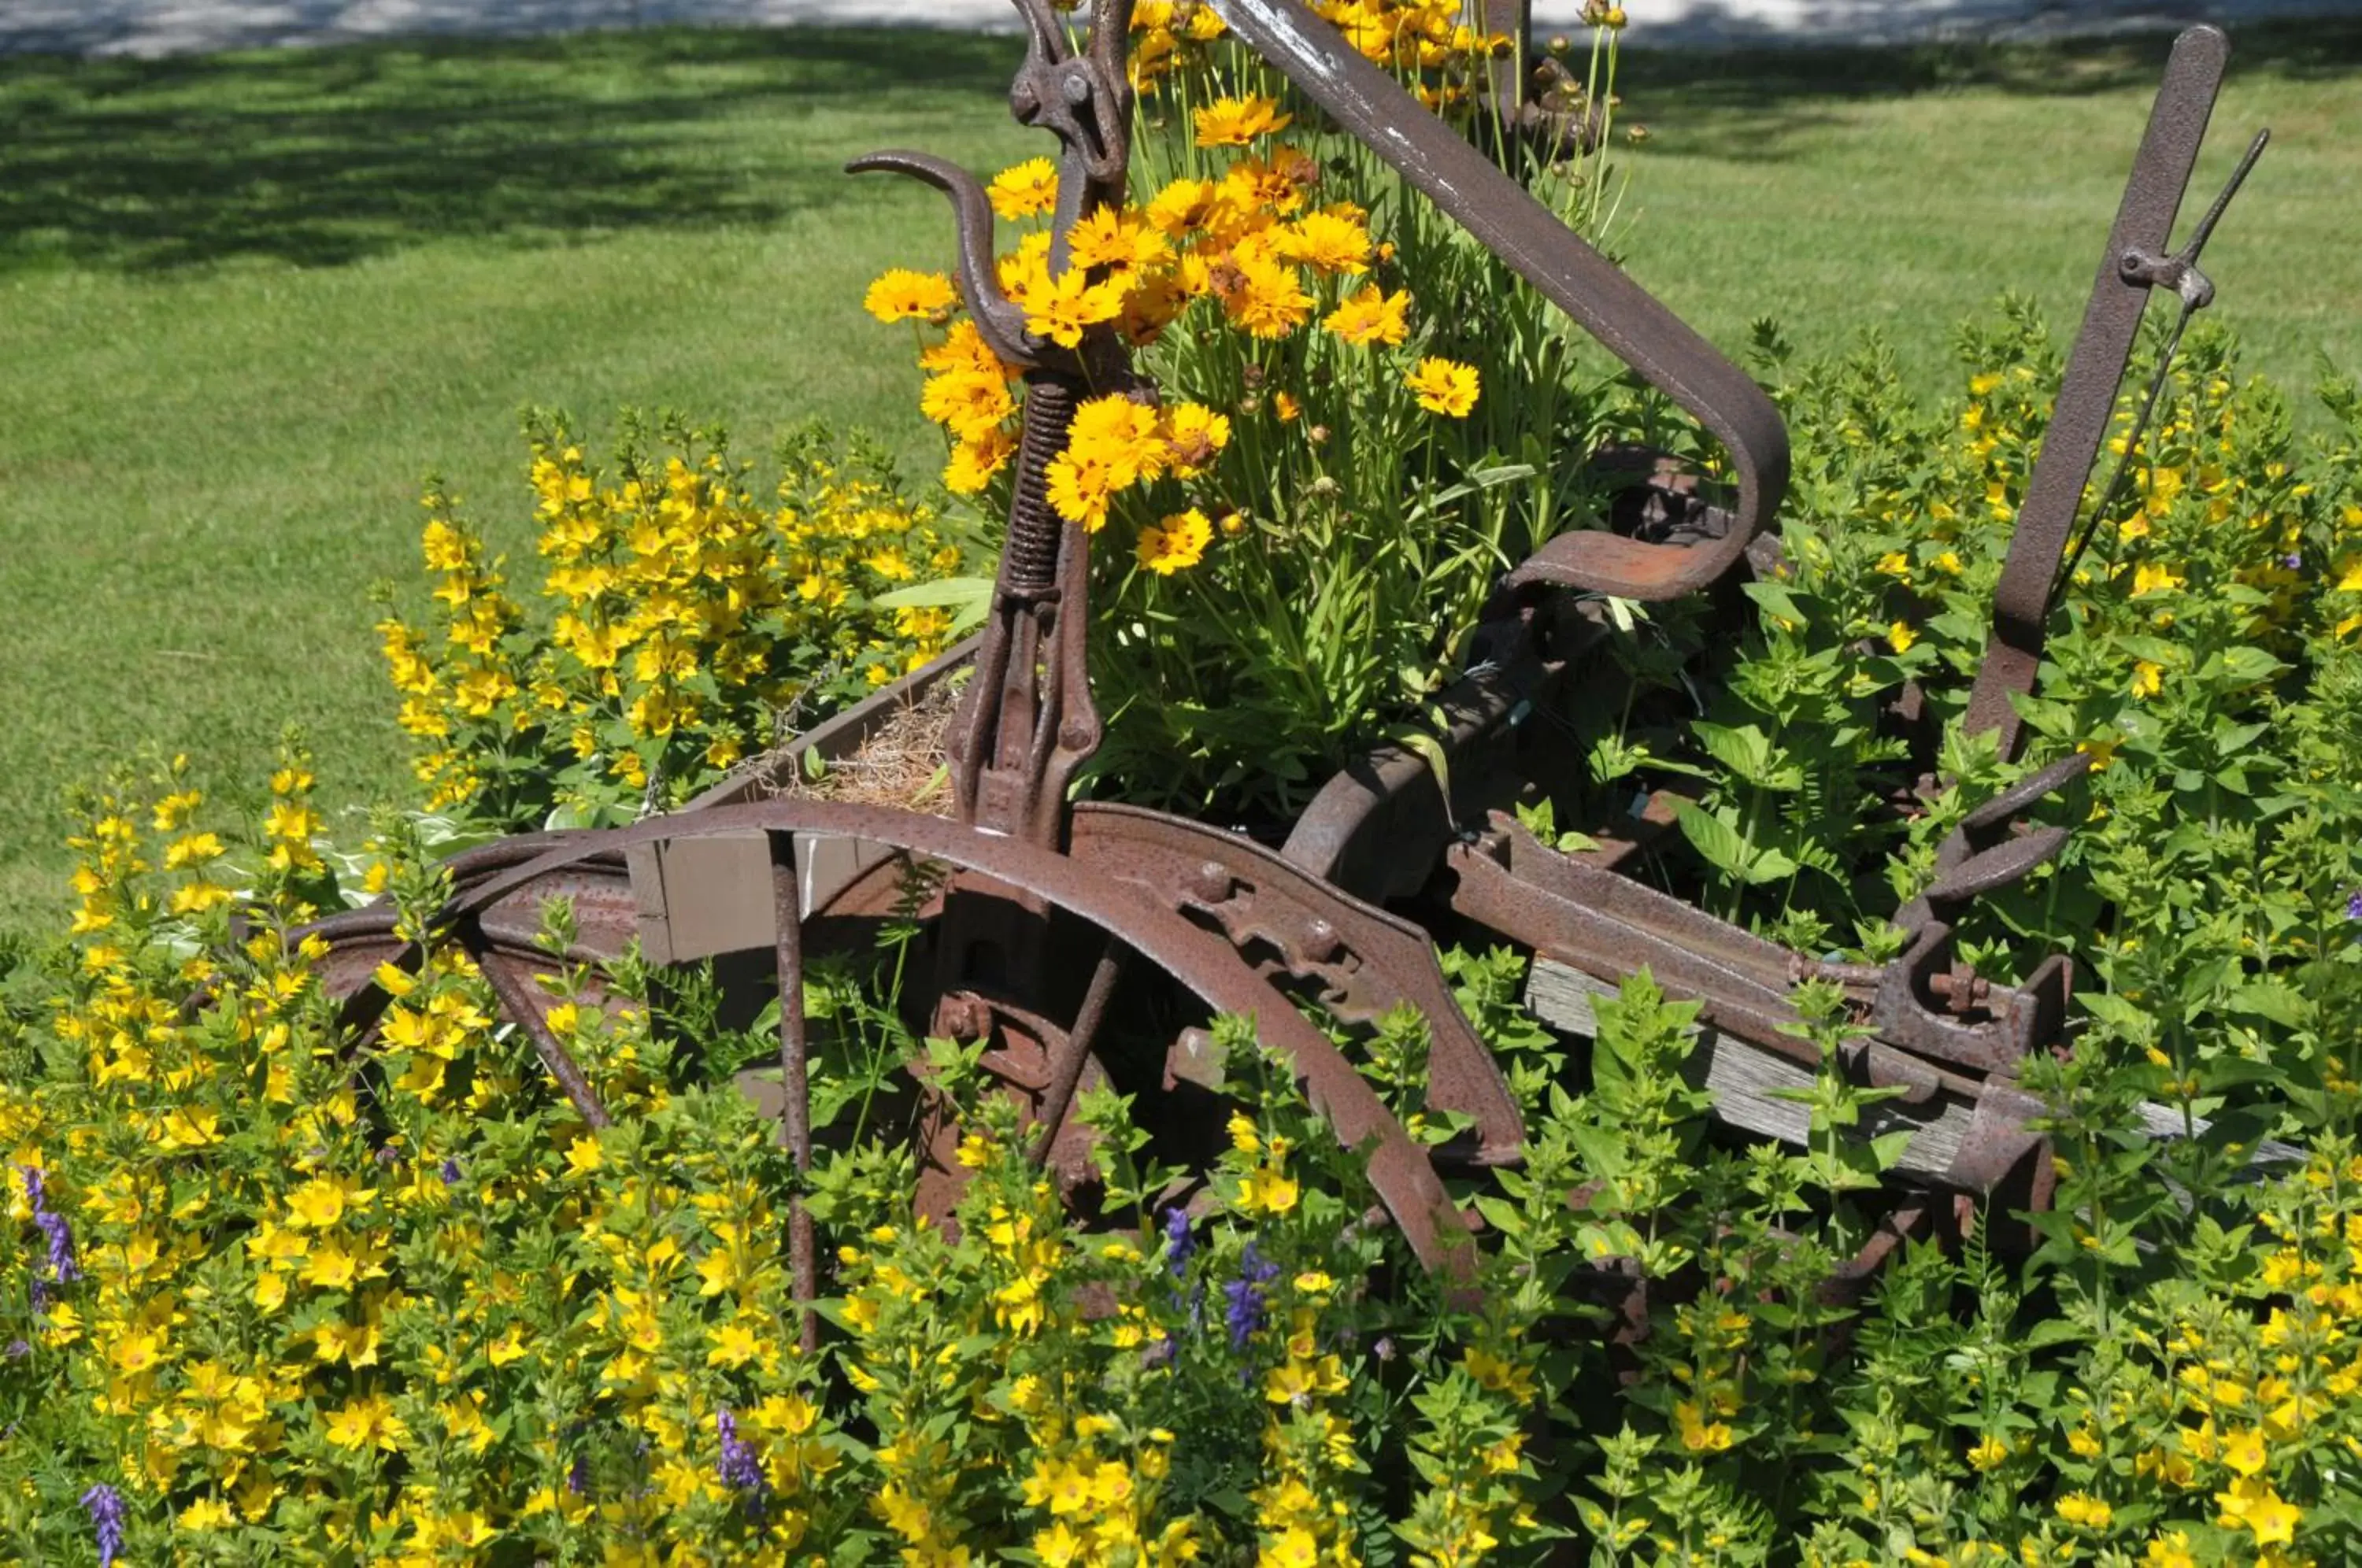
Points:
x=321 y=157
x=1749 y=105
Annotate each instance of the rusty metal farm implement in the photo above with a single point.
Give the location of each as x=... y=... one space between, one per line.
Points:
x=1048 y=918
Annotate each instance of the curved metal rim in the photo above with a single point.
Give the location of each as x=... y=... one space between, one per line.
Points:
x=1399 y=1169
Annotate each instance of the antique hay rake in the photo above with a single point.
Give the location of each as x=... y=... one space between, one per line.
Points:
x=1050 y=911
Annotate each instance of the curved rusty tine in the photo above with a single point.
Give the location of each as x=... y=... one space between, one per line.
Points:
x=1606 y=303
x=1975 y=859
x=1000 y=323
x=1203 y=963
x=795 y=1086
x=2087 y=396
x=1990 y=870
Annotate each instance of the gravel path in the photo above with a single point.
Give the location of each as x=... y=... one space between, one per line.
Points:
x=177 y=26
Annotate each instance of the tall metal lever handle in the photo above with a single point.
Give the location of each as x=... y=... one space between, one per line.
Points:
x=1532 y=242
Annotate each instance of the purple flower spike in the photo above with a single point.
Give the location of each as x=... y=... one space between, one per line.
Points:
x=1178 y=1243
x=106 y=1506
x=62 y=1267
x=578 y=1478
x=450 y=1173
x=2353 y=905
x=740 y=1468
x=1246 y=1312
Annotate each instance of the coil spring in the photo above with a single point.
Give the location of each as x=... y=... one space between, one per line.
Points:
x=1029 y=560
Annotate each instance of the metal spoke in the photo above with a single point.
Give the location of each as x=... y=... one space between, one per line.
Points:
x=1066 y=1066
x=787 y=913
x=522 y=1000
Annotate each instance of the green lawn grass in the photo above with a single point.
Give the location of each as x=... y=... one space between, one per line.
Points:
x=247 y=303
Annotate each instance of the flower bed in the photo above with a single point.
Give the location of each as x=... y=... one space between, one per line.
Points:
x=278 y=1290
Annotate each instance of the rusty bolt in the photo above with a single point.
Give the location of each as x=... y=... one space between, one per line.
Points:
x=1963 y=990
x=963 y=1017
x=1320 y=942
x=1211 y=882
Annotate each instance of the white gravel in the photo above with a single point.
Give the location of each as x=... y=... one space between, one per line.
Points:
x=177 y=26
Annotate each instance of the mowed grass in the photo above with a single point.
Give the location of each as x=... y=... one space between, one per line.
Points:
x=247 y=303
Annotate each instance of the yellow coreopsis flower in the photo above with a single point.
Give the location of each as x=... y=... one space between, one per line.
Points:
x=1444 y=386
x=1371 y=316
x=1024 y=189
x=903 y=296
x=1234 y=122
x=1179 y=542
x=1060 y=308
x=1333 y=241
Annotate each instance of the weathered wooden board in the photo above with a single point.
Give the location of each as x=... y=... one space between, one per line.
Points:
x=1741 y=1075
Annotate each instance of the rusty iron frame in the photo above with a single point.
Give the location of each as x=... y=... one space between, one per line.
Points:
x=1247 y=930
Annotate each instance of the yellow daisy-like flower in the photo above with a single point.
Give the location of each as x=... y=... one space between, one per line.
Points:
x=969 y=404
x=962 y=348
x=900 y=294
x=1119 y=239
x=1267 y=300
x=1024 y=189
x=1059 y=308
x=1989 y=1453
x=1234 y=122
x=1444 y=386
x=2148 y=679
x=1180 y=541
x=1080 y=488
x=1192 y=434
x=1900 y=636
x=974 y=463
x=1371 y=316
x=1183 y=206
x=1330 y=241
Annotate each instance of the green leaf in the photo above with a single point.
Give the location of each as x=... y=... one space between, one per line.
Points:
x=969 y=599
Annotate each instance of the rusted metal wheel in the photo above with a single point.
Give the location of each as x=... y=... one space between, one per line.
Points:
x=495 y=911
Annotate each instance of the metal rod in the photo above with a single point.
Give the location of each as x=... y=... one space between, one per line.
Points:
x=795 y=1100
x=528 y=1004
x=1066 y=1068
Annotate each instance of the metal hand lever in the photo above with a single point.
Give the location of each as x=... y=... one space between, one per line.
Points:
x=1027 y=722
x=2087 y=395
x=1530 y=241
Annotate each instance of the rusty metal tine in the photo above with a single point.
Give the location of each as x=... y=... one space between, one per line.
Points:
x=1046 y=34
x=526 y=1002
x=1528 y=239
x=2087 y=396
x=1000 y=323
x=795 y=1100
x=1066 y=1068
